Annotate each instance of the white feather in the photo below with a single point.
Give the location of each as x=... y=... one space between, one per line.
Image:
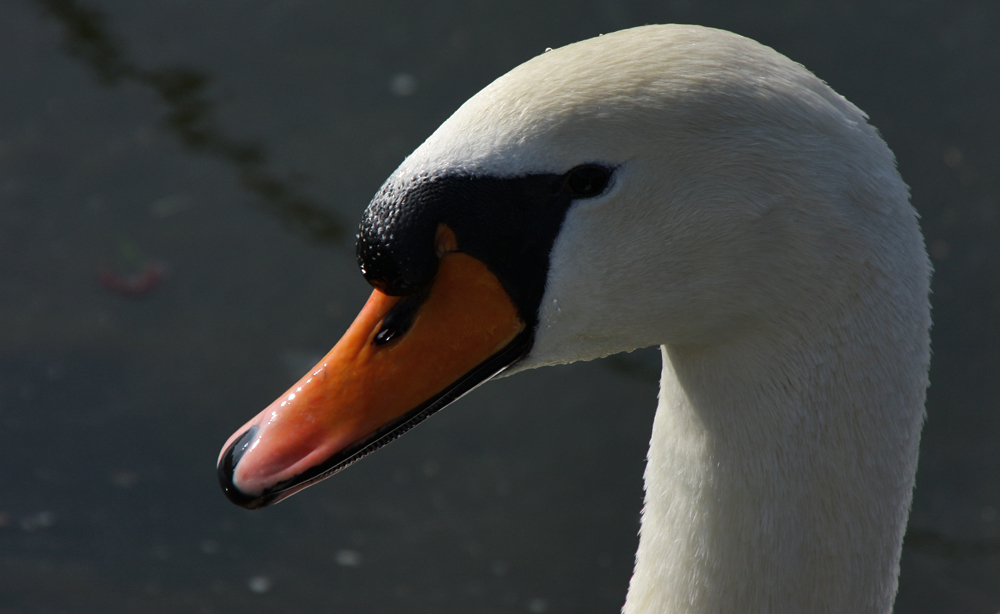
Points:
x=757 y=229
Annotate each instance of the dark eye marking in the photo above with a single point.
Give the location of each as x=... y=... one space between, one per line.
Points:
x=586 y=180
x=400 y=317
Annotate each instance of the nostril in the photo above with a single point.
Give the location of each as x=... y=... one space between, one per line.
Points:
x=227 y=468
x=385 y=335
x=399 y=319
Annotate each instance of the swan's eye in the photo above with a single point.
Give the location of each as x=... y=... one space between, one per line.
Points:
x=587 y=180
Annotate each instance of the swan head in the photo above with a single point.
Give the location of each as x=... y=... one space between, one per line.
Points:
x=662 y=185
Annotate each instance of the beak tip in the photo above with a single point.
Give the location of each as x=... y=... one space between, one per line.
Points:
x=226 y=471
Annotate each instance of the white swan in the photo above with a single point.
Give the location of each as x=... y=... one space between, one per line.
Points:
x=669 y=185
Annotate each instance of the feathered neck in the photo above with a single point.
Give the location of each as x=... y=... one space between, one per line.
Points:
x=781 y=467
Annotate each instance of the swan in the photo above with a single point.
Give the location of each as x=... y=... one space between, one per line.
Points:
x=670 y=185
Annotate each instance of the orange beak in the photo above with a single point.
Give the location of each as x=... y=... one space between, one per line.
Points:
x=378 y=382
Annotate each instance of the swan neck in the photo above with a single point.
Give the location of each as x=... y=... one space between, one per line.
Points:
x=780 y=473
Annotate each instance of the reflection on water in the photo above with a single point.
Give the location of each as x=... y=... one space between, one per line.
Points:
x=189 y=116
x=524 y=497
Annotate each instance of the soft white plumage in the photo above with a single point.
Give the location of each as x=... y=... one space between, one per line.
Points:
x=757 y=229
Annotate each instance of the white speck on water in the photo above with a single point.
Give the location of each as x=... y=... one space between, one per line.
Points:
x=538 y=605
x=209 y=546
x=347 y=558
x=259 y=584
x=41 y=520
x=160 y=552
x=124 y=478
x=169 y=205
x=55 y=372
x=953 y=157
x=403 y=84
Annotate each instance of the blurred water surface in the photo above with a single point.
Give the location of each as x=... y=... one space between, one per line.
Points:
x=179 y=184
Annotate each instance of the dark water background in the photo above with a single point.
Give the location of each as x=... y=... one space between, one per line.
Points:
x=236 y=143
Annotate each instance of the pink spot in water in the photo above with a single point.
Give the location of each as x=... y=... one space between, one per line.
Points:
x=132 y=284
